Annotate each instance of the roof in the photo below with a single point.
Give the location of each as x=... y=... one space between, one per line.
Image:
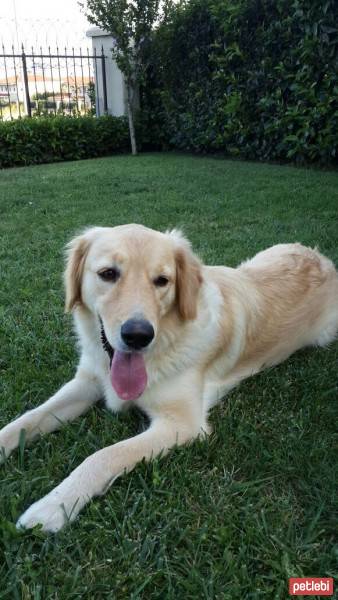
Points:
x=8 y=81
x=39 y=78
x=79 y=80
x=30 y=77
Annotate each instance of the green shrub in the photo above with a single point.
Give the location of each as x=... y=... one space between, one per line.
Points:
x=51 y=139
x=251 y=78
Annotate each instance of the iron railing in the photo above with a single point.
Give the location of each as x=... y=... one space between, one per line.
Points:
x=38 y=83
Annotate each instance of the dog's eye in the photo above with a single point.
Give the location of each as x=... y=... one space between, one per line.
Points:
x=109 y=275
x=161 y=281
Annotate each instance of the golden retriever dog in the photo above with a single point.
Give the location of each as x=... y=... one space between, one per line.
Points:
x=161 y=331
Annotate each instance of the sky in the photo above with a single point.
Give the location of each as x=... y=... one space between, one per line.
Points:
x=43 y=23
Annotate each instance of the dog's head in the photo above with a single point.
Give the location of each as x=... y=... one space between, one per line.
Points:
x=131 y=277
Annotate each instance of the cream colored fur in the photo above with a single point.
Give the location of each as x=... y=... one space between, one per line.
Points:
x=214 y=326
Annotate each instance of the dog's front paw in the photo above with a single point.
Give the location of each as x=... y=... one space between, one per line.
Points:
x=51 y=512
x=9 y=439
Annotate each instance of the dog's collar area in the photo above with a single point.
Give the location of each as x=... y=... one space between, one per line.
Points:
x=105 y=344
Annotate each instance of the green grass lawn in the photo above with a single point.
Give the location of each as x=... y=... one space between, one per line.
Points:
x=231 y=518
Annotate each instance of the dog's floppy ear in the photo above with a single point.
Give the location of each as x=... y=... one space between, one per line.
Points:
x=188 y=277
x=76 y=250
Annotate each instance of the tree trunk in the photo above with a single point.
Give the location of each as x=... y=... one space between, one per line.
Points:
x=131 y=118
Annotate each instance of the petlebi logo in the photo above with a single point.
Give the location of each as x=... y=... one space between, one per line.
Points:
x=311 y=586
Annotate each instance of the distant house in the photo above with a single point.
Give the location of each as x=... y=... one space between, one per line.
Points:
x=37 y=84
x=12 y=88
x=78 y=88
x=72 y=91
x=8 y=90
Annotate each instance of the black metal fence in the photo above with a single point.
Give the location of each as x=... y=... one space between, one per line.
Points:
x=39 y=83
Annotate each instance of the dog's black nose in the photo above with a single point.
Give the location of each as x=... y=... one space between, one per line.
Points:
x=137 y=333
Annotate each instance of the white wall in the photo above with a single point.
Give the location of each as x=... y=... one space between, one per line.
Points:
x=115 y=83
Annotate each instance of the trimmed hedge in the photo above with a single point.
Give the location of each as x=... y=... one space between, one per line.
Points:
x=37 y=140
x=251 y=78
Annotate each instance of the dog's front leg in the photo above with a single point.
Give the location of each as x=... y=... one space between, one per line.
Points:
x=73 y=399
x=94 y=476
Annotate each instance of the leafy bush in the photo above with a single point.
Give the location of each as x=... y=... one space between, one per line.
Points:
x=252 y=78
x=50 y=139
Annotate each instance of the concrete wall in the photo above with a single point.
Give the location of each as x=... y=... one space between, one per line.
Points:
x=116 y=104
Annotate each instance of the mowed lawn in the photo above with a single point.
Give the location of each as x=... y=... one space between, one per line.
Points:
x=231 y=518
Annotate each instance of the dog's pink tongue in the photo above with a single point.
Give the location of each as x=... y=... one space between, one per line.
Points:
x=128 y=374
